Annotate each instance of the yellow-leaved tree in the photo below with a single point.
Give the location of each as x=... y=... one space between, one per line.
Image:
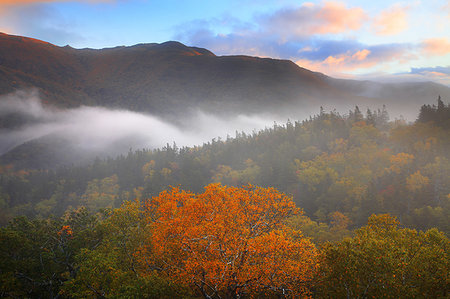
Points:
x=228 y=242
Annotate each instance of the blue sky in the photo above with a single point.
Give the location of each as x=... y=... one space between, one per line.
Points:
x=385 y=40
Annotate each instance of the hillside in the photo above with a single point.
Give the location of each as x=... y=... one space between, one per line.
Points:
x=357 y=165
x=157 y=78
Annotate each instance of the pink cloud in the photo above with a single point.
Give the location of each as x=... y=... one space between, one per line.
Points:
x=361 y=55
x=340 y=63
x=353 y=60
x=437 y=74
x=348 y=60
x=436 y=46
x=391 y=21
x=446 y=7
x=337 y=18
x=310 y=19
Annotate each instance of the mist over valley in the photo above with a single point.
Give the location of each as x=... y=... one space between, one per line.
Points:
x=78 y=135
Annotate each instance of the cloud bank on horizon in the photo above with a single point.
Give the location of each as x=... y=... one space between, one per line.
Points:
x=370 y=39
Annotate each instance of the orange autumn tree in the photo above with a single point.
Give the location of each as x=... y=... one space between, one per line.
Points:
x=228 y=242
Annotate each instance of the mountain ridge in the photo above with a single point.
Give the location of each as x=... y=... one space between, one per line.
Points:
x=171 y=78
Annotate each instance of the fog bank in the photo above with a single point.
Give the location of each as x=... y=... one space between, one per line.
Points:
x=108 y=132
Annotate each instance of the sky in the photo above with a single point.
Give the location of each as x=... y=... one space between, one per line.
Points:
x=375 y=40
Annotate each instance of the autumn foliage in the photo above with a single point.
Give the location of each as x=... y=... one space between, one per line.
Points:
x=228 y=241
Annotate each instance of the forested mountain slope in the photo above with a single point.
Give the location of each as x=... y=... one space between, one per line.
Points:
x=118 y=229
x=355 y=165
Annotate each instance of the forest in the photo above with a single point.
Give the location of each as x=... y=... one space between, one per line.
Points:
x=352 y=205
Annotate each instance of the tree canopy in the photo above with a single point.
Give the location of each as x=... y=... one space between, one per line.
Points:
x=229 y=242
x=386 y=261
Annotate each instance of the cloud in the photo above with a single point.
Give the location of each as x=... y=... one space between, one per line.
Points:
x=236 y=43
x=301 y=35
x=330 y=56
x=280 y=34
x=359 y=57
x=333 y=65
x=440 y=74
x=438 y=69
x=391 y=21
x=436 y=46
x=446 y=7
x=39 y=21
x=312 y=19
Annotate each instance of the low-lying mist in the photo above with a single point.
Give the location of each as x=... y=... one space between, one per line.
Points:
x=30 y=129
x=108 y=132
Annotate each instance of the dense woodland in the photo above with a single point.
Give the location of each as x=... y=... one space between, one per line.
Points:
x=124 y=227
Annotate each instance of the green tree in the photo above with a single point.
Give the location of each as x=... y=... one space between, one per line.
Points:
x=110 y=270
x=37 y=256
x=386 y=261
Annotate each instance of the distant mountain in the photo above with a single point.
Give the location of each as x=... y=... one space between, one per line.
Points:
x=171 y=78
x=172 y=82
